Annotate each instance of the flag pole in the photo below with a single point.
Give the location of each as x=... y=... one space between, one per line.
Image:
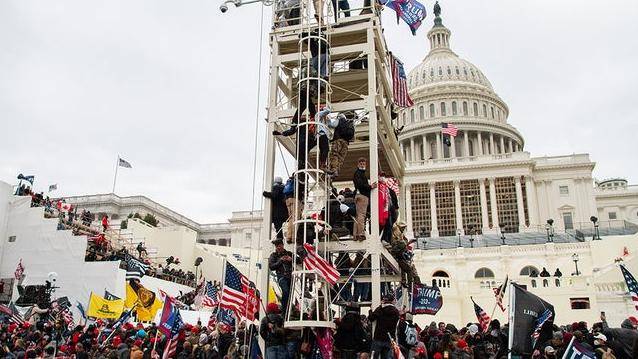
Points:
x=221 y=294
x=512 y=303
x=117 y=164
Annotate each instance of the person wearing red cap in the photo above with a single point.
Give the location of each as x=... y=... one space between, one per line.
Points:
x=272 y=331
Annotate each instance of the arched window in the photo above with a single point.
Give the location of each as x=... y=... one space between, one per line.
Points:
x=431 y=110
x=545 y=283
x=449 y=72
x=454 y=111
x=557 y=281
x=432 y=72
x=443 y=109
x=533 y=283
x=457 y=71
x=440 y=71
x=528 y=270
x=465 y=108
x=424 y=75
x=421 y=113
x=484 y=110
x=492 y=108
x=484 y=273
x=465 y=71
x=412 y=116
x=212 y=241
x=441 y=273
x=475 y=108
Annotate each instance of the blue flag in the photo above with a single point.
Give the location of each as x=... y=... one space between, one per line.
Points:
x=123 y=318
x=426 y=300
x=171 y=321
x=411 y=11
x=81 y=309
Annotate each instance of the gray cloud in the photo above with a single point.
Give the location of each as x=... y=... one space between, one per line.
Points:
x=171 y=87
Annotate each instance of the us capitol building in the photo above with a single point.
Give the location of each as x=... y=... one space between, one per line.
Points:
x=482 y=209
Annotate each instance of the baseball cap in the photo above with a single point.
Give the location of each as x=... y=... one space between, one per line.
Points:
x=601 y=336
x=549 y=349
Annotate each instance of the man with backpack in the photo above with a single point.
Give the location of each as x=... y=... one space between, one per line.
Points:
x=407 y=336
x=343 y=134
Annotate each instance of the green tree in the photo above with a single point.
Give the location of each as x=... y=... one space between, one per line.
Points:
x=150 y=219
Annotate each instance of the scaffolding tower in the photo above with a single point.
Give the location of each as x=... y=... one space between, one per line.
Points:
x=357 y=81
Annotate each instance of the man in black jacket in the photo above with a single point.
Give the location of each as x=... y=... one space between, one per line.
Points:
x=279 y=211
x=272 y=331
x=387 y=316
x=280 y=261
x=362 y=199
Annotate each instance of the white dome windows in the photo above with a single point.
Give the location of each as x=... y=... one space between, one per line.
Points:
x=454 y=110
x=421 y=113
x=475 y=108
x=412 y=115
x=492 y=109
x=431 y=110
x=457 y=71
x=484 y=110
x=443 y=112
x=432 y=72
x=440 y=71
x=449 y=72
x=464 y=108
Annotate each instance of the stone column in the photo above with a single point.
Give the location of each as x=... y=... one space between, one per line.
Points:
x=457 y=206
x=439 y=146
x=484 y=218
x=403 y=150
x=479 y=138
x=532 y=205
x=435 y=225
x=502 y=142
x=412 y=150
x=492 y=144
x=493 y=203
x=426 y=149
x=548 y=199
x=452 y=147
x=519 y=202
x=467 y=144
x=408 y=210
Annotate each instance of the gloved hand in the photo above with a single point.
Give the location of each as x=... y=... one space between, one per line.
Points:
x=344 y=208
x=276 y=133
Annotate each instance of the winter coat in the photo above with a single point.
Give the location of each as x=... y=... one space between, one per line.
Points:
x=278 y=201
x=623 y=338
x=273 y=336
x=361 y=184
x=387 y=317
x=281 y=267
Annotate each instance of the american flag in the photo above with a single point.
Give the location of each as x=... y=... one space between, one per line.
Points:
x=19 y=270
x=483 y=318
x=234 y=291
x=12 y=312
x=632 y=285
x=210 y=296
x=314 y=261
x=134 y=268
x=170 y=349
x=540 y=321
x=399 y=84
x=449 y=129
x=499 y=293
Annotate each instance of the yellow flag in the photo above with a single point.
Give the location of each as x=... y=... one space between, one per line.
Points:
x=131 y=297
x=148 y=314
x=272 y=296
x=102 y=308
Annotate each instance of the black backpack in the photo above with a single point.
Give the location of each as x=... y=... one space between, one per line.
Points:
x=345 y=129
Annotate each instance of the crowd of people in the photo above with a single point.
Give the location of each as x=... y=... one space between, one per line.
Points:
x=101 y=240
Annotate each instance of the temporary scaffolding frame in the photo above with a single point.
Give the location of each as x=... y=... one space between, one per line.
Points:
x=364 y=89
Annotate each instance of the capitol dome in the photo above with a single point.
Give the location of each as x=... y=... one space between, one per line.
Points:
x=450 y=91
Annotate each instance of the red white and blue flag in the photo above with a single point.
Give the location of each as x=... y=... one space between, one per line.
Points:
x=540 y=321
x=399 y=83
x=210 y=297
x=313 y=261
x=234 y=291
x=632 y=285
x=449 y=129
x=411 y=11
x=481 y=315
x=170 y=321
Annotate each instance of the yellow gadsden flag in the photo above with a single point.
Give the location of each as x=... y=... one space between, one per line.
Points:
x=145 y=302
x=102 y=308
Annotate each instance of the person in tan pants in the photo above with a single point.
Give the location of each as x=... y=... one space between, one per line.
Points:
x=362 y=199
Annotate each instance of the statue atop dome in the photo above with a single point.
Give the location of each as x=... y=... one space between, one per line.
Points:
x=437 y=13
x=437 y=9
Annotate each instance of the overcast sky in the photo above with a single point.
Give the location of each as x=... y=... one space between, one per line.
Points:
x=171 y=86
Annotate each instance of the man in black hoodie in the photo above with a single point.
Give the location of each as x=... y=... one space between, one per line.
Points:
x=278 y=209
x=362 y=199
x=387 y=316
x=280 y=261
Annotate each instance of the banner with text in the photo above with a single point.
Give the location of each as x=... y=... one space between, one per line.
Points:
x=426 y=300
